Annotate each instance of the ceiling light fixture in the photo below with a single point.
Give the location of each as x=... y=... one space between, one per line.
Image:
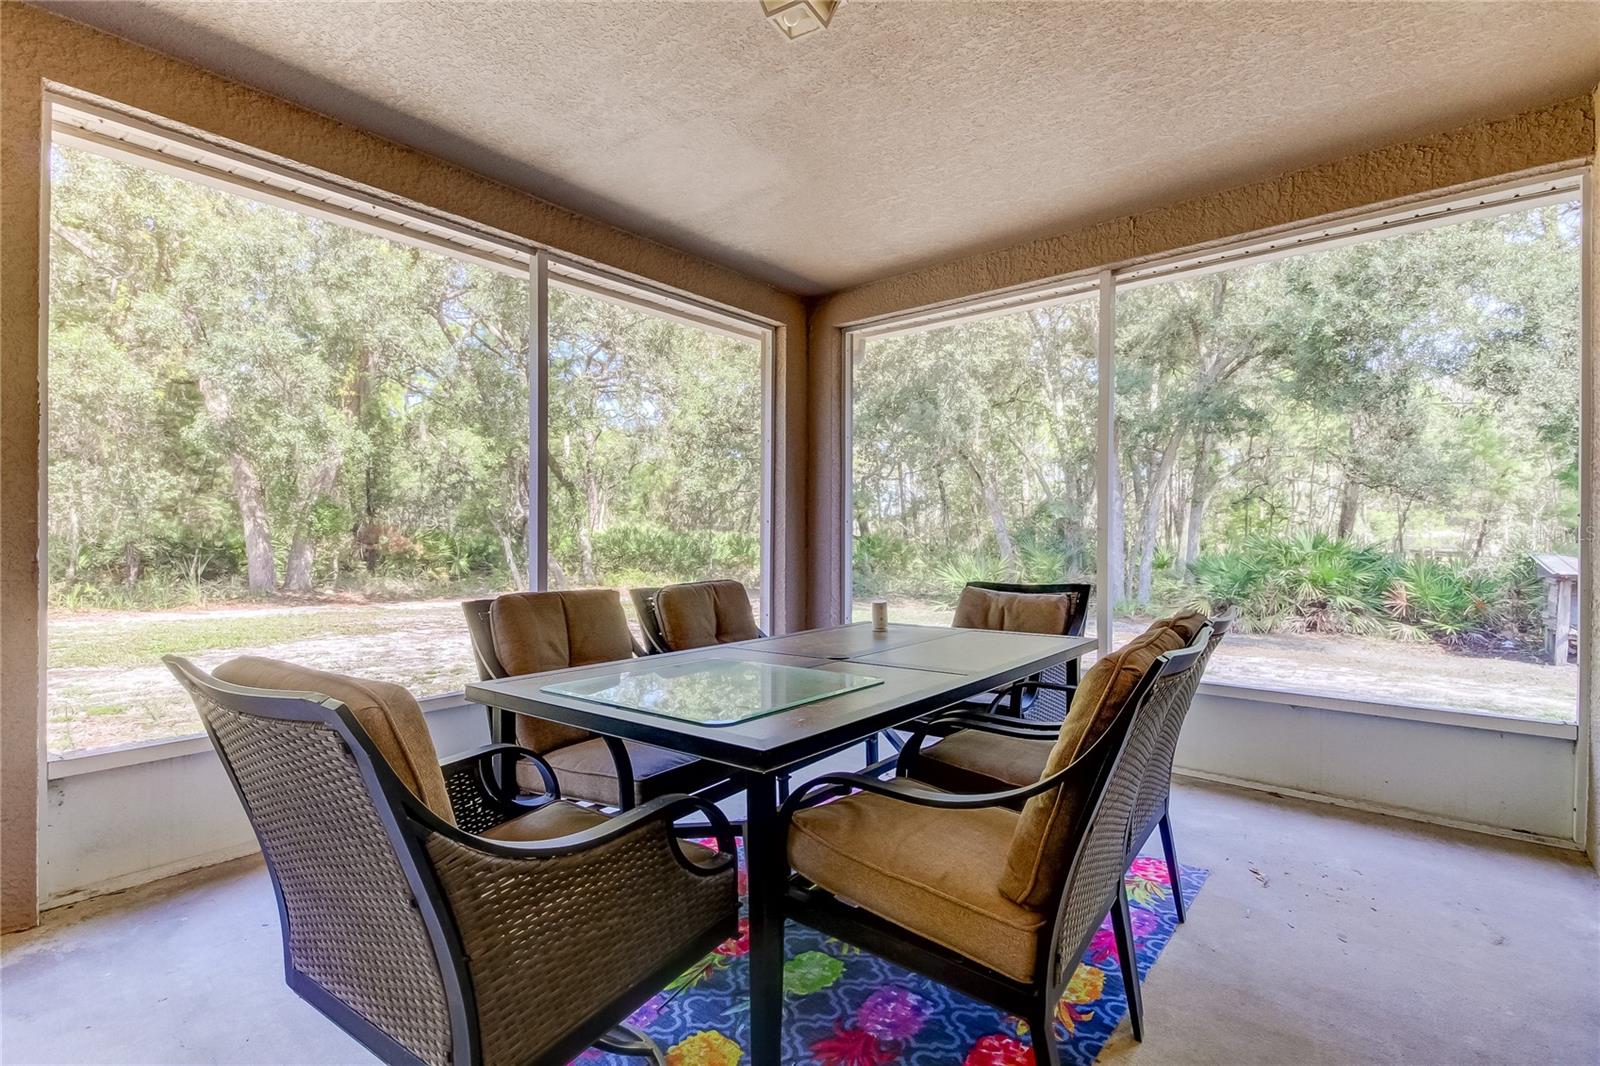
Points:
x=796 y=18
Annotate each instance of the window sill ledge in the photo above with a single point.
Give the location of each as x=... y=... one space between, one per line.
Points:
x=1433 y=714
x=77 y=763
x=74 y=764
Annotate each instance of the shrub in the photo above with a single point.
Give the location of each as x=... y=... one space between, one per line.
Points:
x=1318 y=584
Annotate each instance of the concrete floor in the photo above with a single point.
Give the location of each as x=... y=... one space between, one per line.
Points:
x=1323 y=936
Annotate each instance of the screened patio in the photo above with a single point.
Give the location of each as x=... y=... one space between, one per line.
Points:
x=1116 y=585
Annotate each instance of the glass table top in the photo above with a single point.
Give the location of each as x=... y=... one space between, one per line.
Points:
x=712 y=691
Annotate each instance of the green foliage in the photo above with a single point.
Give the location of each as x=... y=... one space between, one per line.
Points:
x=246 y=401
x=955 y=572
x=1410 y=400
x=643 y=554
x=1318 y=584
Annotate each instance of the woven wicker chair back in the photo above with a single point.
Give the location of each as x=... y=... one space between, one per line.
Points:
x=349 y=920
x=1092 y=880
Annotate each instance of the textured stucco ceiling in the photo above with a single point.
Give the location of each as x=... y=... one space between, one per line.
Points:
x=905 y=134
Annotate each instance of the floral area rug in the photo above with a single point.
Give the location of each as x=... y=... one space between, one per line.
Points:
x=845 y=1007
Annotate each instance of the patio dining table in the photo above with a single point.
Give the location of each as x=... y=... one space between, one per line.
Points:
x=791 y=714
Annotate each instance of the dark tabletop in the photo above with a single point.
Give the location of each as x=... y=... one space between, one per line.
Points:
x=922 y=668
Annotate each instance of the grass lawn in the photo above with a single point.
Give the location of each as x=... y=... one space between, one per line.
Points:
x=107 y=685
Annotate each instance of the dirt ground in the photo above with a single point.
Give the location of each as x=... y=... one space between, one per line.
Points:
x=1361 y=668
x=107 y=685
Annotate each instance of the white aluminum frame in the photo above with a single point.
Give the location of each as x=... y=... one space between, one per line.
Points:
x=89 y=124
x=1553 y=185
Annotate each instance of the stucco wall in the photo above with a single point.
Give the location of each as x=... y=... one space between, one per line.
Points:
x=1456 y=158
x=1589 y=656
x=36 y=47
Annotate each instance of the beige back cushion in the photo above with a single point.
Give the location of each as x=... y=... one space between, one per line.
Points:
x=1040 y=848
x=1015 y=612
x=387 y=712
x=703 y=613
x=539 y=631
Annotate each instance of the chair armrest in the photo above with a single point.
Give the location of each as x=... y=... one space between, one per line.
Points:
x=899 y=788
x=479 y=796
x=657 y=815
x=552 y=930
x=956 y=718
x=1004 y=724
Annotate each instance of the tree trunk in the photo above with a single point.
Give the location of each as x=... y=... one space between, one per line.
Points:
x=1349 y=504
x=585 y=555
x=1201 y=487
x=130 y=564
x=997 y=518
x=1477 y=543
x=261 y=568
x=1400 y=528
x=297 y=574
x=74 y=544
x=509 y=548
x=1155 y=494
x=1349 y=493
x=593 y=519
x=297 y=568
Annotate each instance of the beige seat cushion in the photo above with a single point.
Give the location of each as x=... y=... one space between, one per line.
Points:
x=387 y=712
x=553 y=820
x=561 y=819
x=1015 y=612
x=972 y=761
x=539 y=631
x=586 y=771
x=934 y=872
x=702 y=613
x=1040 y=850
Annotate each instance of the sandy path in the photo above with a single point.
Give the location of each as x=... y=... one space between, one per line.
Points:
x=423 y=645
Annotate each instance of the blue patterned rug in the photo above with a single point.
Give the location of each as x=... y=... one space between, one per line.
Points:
x=844 y=1007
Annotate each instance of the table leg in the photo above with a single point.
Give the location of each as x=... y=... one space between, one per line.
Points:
x=766 y=856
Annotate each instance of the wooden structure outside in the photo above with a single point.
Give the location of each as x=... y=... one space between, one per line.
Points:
x=1560 y=576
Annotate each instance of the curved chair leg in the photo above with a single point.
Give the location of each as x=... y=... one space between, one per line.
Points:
x=1174 y=871
x=1042 y=1034
x=1128 y=957
x=619 y=756
x=626 y=1040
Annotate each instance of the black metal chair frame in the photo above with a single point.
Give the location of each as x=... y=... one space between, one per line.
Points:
x=503 y=724
x=408 y=823
x=1020 y=696
x=1035 y=1002
x=995 y=721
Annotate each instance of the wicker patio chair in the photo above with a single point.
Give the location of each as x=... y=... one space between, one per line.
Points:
x=531 y=632
x=1059 y=609
x=699 y=614
x=973 y=760
x=1004 y=906
x=435 y=919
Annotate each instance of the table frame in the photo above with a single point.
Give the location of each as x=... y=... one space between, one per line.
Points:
x=924 y=668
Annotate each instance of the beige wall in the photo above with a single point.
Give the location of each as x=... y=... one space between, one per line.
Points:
x=37 y=47
x=1481 y=152
x=1589 y=653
